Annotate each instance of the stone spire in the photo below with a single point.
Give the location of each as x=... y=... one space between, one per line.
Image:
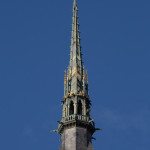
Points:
x=76 y=126
x=75 y=67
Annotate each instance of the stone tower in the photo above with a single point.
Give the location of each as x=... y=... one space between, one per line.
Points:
x=76 y=126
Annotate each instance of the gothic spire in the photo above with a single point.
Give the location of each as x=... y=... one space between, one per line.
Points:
x=75 y=68
x=76 y=119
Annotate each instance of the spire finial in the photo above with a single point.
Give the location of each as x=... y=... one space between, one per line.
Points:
x=65 y=78
x=75 y=2
x=87 y=79
x=68 y=73
x=83 y=73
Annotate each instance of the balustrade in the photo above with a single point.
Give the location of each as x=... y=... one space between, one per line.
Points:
x=74 y=117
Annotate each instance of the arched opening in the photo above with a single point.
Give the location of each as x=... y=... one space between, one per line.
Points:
x=71 y=108
x=79 y=108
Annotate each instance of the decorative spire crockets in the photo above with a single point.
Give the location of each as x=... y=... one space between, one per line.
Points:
x=76 y=76
x=76 y=102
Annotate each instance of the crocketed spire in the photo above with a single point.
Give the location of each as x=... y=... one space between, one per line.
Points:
x=75 y=67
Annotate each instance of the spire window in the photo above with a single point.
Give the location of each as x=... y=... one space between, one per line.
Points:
x=79 y=108
x=71 y=108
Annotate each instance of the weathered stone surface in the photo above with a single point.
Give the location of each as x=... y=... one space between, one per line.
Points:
x=76 y=138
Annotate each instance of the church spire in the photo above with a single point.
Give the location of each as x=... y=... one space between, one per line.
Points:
x=76 y=68
x=76 y=123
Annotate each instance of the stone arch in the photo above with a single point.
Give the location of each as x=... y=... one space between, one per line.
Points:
x=71 y=108
x=80 y=107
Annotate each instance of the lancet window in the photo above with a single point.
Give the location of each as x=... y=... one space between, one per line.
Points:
x=79 y=108
x=71 y=108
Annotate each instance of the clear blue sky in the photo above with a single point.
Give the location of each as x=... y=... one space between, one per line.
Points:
x=34 y=51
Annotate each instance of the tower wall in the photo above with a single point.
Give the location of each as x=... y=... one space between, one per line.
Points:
x=76 y=138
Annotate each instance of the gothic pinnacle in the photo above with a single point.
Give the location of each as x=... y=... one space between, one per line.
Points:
x=65 y=78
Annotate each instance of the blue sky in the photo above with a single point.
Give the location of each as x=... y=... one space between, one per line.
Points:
x=34 y=52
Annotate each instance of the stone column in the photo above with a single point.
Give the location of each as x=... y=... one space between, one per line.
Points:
x=84 y=109
x=67 y=110
x=63 y=111
x=75 y=108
